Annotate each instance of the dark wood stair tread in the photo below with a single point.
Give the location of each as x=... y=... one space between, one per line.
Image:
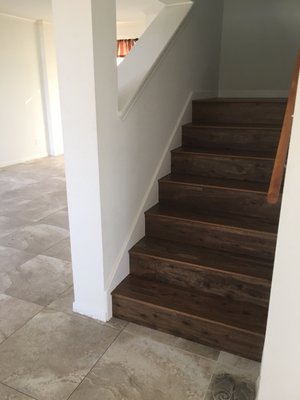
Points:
x=232 y=184
x=224 y=153
x=210 y=259
x=265 y=228
x=241 y=315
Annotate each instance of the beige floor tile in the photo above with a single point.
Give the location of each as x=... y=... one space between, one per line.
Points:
x=136 y=367
x=9 y=225
x=60 y=250
x=240 y=363
x=12 y=258
x=14 y=313
x=40 y=280
x=35 y=238
x=240 y=369
x=7 y=393
x=52 y=353
x=64 y=303
x=60 y=218
x=175 y=341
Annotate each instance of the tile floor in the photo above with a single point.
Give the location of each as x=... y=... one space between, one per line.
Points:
x=49 y=353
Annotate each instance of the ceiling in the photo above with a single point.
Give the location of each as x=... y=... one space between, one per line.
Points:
x=127 y=10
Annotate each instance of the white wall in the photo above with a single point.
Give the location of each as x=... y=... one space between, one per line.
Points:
x=259 y=44
x=281 y=357
x=122 y=157
x=134 y=151
x=21 y=110
x=74 y=42
x=134 y=17
x=131 y=29
x=51 y=89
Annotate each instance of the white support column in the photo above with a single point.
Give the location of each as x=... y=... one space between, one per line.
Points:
x=74 y=42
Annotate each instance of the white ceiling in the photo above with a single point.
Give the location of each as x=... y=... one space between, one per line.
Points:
x=127 y=10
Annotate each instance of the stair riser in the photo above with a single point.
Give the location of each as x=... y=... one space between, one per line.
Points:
x=198 y=233
x=210 y=199
x=243 y=112
x=205 y=138
x=243 y=169
x=202 y=279
x=243 y=343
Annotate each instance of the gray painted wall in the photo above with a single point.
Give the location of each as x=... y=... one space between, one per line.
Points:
x=259 y=46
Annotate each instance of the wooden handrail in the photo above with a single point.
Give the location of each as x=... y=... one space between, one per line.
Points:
x=284 y=141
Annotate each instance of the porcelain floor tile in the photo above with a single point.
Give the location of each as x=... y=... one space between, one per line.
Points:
x=137 y=367
x=40 y=280
x=61 y=250
x=64 y=303
x=7 y=393
x=35 y=238
x=51 y=354
x=174 y=341
x=14 y=313
x=11 y=258
x=60 y=218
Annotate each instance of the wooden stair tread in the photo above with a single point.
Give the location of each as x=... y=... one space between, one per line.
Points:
x=224 y=153
x=241 y=315
x=232 y=184
x=205 y=258
x=235 y=222
x=204 y=269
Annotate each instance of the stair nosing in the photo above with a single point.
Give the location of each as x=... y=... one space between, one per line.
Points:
x=233 y=327
x=230 y=227
x=181 y=150
x=199 y=184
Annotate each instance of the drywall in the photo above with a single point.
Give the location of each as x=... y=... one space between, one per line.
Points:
x=131 y=29
x=144 y=56
x=51 y=89
x=74 y=43
x=134 y=16
x=21 y=110
x=281 y=357
x=122 y=157
x=259 y=44
x=134 y=151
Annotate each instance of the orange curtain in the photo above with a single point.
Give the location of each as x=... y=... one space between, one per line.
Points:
x=124 y=46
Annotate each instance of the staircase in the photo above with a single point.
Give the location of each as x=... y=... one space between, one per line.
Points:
x=203 y=271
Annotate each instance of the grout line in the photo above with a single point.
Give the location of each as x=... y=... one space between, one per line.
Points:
x=16 y=390
x=22 y=326
x=93 y=367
